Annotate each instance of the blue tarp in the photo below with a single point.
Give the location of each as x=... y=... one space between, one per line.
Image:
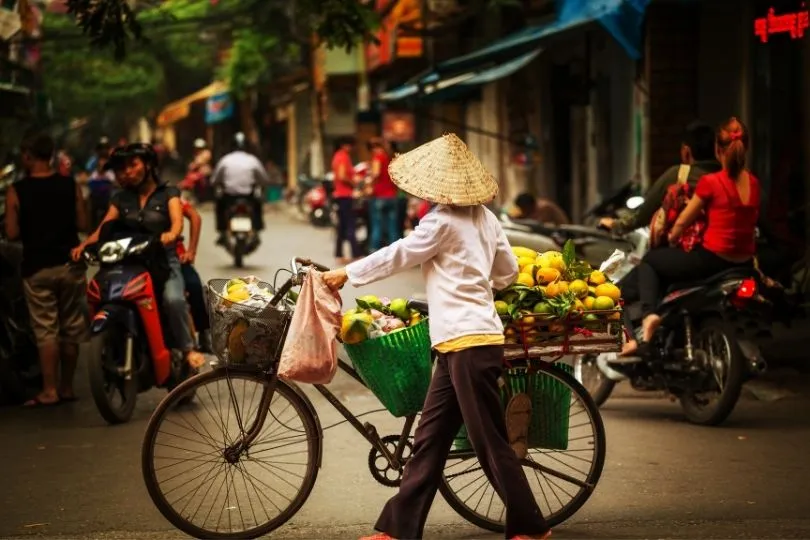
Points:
x=623 y=19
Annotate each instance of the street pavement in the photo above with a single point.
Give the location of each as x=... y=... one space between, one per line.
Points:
x=66 y=474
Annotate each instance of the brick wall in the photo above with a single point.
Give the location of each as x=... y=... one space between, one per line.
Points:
x=672 y=78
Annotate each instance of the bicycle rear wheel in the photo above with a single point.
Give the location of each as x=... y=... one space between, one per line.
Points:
x=207 y=492
x=561 y=480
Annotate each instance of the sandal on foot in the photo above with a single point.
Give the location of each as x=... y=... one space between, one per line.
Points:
x=518 y=415
x=37 y=403
x=379 y=536
x=545 y=536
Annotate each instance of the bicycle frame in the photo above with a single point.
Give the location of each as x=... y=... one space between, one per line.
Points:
x=367 y=430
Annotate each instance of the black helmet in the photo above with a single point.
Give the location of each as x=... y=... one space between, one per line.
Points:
x=122 y=154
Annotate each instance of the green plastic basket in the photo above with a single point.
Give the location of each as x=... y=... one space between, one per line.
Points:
x=551 y=407
x=396 y=367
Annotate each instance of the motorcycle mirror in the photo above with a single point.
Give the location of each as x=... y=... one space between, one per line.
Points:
x=634 y=202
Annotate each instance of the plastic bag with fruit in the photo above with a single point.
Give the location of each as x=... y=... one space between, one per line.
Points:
x=310 y=351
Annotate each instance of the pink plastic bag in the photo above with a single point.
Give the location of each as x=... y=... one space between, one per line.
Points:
x=310 y=352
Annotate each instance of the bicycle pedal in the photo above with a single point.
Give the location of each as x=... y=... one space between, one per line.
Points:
x=370 y=429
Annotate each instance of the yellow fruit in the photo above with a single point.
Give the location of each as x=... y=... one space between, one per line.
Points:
x=355 y=328
x=551 y=259
x=610 y=290
x=526 y=320
x=525 y=279
x=525 y=261
x=578 y=306
x=615 y=316
x=597 y=278
x=588 y=302
x=592 y=291
x=501 y=307
x=556 y=288
x=415 y=319
x=524 y=252
x=530 y=269
x=603 y=303
x=547 y=275
x=238 y=295
x=236 y=345
x=579 y=288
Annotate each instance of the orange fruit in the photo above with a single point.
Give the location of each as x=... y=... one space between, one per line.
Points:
x=610 y=290
x=579 y=288
x=597 y=278
x=547 y=275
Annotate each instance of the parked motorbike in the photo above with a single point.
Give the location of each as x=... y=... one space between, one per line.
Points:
x=704 y=351
x=241 y=236
x=319 y=205
x=127 y=353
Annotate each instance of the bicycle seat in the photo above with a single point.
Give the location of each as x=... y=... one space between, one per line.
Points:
x=419 y=305
x=731 y=273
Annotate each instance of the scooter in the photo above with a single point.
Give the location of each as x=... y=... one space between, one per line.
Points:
x=127 y=353
x=241 y=237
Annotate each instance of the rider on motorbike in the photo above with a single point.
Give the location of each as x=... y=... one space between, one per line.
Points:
x=730 y=200
x=237 y=175
x=697 y=152
x=155 y=206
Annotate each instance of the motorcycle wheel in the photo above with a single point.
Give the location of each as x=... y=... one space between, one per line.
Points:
x=727 y=375
x=103 y=382
x=587 y=372
x=239 y=253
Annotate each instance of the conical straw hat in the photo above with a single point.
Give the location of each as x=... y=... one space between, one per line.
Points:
x=444 y=171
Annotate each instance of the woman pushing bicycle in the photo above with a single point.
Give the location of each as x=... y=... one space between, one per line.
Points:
x=464 y=255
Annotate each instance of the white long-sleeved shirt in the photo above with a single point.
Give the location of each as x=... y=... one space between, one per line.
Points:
x=239 y=172
x=464 y=254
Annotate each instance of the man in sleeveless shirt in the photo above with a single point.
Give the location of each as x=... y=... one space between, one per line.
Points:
x=45 y=211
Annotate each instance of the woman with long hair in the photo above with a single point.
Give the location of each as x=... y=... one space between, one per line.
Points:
x=730 y=199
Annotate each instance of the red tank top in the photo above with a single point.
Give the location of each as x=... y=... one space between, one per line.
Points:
x=731 y=223
x=384 y=187
x=343 y=190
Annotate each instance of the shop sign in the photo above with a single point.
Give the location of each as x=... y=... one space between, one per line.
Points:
x=218 y=108
x=170 y=115
x=399 y=127
x=391 y=45
x=788 y=23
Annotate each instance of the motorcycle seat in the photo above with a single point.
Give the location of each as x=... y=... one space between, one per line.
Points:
x=731 y=273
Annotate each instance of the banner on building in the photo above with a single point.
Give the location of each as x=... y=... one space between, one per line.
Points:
x=219 y=107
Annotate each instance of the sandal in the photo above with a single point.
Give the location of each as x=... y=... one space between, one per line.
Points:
x=518 y=416
x=37 y=403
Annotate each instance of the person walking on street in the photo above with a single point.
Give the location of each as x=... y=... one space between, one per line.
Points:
x=384 y=208
x=46 y=211
x=464 y=255
x=343 y=193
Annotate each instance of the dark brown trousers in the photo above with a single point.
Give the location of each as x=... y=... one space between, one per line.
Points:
x=464 y=390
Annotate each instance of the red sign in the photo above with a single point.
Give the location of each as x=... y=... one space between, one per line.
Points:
x=791 y=23
x=392 y=45
x=399 y=126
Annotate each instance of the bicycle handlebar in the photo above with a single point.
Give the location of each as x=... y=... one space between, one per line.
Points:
x=299 y=262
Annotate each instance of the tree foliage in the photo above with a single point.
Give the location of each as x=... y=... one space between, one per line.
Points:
x=82 y=81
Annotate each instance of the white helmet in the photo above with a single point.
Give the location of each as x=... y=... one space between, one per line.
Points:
x=199 y=144
x=239 y=139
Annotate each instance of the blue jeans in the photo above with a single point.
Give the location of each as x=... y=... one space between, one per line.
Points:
x=384 y=223
x=175 y=309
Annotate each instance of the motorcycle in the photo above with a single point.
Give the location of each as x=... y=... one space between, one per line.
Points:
x=319 y=203
x=726 y=311
x=241 y=237
x=127 y=354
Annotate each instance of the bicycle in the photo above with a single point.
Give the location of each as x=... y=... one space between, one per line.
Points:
x=464 y=485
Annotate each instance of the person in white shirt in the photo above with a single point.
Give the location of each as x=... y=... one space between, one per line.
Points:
x=464 y=255
x=238 y=175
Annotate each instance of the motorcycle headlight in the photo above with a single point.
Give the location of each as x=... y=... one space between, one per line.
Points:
x=111 y=252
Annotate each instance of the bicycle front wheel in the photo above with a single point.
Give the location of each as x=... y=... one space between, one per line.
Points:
x=561 y=480
x=204 y=488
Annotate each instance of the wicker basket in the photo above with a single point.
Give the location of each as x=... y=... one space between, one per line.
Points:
x=243 y=334
x=551 y=404
x=396 y=367
x=600 y=332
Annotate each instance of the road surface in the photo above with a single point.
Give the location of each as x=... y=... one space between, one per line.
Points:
x=66 y=474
